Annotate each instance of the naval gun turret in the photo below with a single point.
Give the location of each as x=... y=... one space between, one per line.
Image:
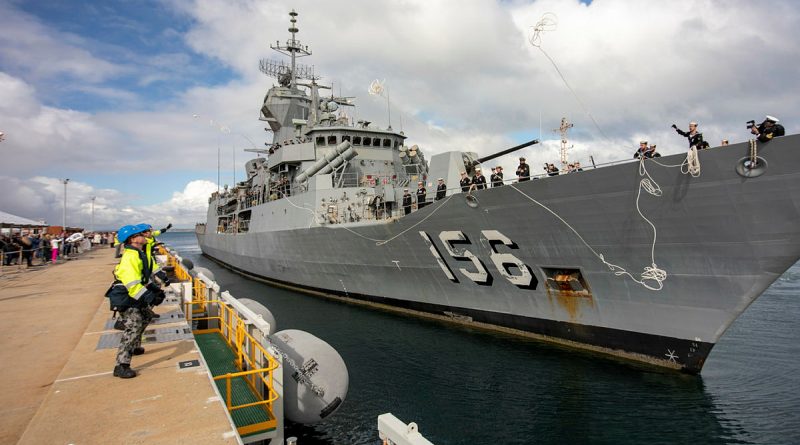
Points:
x=470 y=159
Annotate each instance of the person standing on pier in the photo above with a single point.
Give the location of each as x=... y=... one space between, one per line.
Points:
x=150 y=234
x=155 y=269
x=54 y=242
x=131 y=295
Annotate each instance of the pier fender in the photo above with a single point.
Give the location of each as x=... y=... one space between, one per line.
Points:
x=207 y=273
x=746 y=168
x=187 y=263
x=260 y=309
x=319 y=363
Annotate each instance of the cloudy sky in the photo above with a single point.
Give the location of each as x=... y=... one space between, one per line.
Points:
x=133 y=100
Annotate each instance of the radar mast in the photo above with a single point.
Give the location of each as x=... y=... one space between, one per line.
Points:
x=288 y=75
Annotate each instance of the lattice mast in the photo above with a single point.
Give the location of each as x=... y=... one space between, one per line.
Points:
x=288 y=75
x=563 y=129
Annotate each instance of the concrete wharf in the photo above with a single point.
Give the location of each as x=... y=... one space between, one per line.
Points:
x=59 y=386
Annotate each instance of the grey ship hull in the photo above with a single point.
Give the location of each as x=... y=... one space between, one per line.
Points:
x=721 y=238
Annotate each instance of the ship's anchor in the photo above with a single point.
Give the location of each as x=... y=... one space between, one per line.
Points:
x=751 y=166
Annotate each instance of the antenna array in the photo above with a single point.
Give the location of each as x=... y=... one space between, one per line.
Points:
x=281 y=70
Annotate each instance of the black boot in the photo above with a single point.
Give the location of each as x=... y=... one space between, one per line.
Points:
x=138 y=350
x=124 y=372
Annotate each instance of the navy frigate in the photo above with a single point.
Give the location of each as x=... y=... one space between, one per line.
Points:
x=650 y=260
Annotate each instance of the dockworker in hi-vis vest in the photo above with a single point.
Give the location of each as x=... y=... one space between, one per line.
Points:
x=155 y=270
x=131 y=296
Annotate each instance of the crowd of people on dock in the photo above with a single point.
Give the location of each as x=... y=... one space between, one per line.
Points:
x=27 y=247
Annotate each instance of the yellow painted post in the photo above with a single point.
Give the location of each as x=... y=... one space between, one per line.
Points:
x=228 y=390
x=239 y=341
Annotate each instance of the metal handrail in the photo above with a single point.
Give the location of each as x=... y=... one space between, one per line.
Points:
x=232 y=325
x=233 y=330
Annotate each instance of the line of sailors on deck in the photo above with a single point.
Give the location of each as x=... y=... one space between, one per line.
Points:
x=764 y=132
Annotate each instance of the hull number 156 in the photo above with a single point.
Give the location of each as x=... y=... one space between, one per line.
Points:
x=456 y=244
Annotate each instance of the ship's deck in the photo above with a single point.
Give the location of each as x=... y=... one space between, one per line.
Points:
x=59 y=386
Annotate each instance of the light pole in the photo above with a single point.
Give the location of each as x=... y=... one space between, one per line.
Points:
x=65 y=181
x=91 y=226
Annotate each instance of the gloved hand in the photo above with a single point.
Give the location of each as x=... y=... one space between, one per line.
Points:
x=148 y=298
x=162 y=275
x=674 y=126
x=153 y=287
x=160 y=295
x=169 y=226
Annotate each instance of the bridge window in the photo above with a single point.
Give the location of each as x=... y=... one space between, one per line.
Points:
x=331 y=140
x=320 y=141
x=367 y=142
x=357 y=140
x=345 y=138
x=387 y=143
x=376 y=142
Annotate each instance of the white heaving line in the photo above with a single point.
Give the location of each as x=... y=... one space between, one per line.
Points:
x=690 y=165
x=392 y=431
x=383 y=242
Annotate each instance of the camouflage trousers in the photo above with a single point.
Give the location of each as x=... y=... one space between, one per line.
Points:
x=135 y=321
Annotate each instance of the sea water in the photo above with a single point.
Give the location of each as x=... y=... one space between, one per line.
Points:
x=467 y=386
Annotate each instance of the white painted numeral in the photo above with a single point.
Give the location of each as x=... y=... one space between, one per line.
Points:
x=504 y=261
x=439 y=259
x=450 y=237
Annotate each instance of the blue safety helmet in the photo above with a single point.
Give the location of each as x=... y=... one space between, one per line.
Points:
x=128 y=231
x=144 y=227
